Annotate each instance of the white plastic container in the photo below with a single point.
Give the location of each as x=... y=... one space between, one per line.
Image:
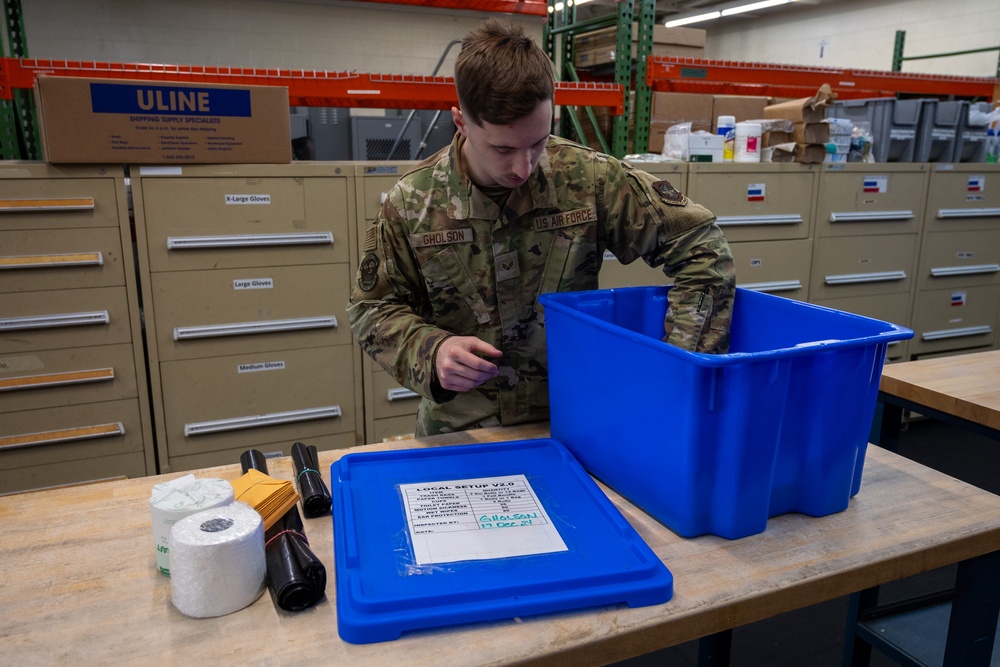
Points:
x=746 y=147
x=725 y=127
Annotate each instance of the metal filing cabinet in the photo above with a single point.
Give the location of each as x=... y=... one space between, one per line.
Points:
x=958 y=288
x=246 y=271
x=638 y=273
x=390 y=408
x=74 y=404
x=868 y=220
x=765 y=211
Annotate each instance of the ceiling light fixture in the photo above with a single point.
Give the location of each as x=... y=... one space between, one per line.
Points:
x=725 y=11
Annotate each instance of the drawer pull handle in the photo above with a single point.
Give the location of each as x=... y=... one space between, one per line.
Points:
x=42 y=205
x=243 y=328
x=53 y=321
x=964 y=270
x=255 y=421
x=956 y=333
x=853 y=278
x=56 y=379
x=870 y=216
x=775 y=286
x=49 y=261
x=779 y=219
x=244 y=240
x=945 y=213
x=61 y=435
x=401 y=394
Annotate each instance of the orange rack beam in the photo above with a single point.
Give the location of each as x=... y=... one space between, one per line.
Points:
x=305 y=87
x=532 y=7
x=672 y=73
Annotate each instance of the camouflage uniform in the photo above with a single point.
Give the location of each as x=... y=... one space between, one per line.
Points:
x=442 y=259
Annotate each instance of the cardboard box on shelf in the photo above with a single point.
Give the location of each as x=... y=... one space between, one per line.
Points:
x=657 y=132
x=676 y=108
x=661 y=35
x=811 y=133
x=156 y=122
x=803 y=110
x=606 y=54
x=742 y=107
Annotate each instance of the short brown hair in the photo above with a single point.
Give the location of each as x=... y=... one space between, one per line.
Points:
x=501 y=74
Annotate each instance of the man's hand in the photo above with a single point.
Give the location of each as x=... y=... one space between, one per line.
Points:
x=459 y=365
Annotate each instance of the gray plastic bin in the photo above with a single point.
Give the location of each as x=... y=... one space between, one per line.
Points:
x=939 y=127
x=970 y=142
x=894 y=124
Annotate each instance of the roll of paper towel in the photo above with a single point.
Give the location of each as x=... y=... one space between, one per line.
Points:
x=217 y=561
x=172 y=501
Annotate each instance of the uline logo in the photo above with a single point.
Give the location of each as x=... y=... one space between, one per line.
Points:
x=173 y=100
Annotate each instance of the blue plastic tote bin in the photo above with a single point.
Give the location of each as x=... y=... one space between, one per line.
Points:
x=716 y=444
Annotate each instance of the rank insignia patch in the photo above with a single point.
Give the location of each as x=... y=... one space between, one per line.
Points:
x=669 y=193
x=368 y=272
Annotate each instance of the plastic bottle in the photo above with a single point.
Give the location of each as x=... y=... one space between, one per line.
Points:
x=992 y=146
x=746 y=147
x=726 y=126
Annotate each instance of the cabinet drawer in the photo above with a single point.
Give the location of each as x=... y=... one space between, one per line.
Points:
x=63 y=473
x=777 y=267
x=231 y=456
x=375 y=189
x=960 y=258
x=392 y=427
x=251 y=399
x=848 y=267
x=759 y=204
x=63 y=319
x=56 y=259
x=53 y=378
x=390 y=399
x=637 y=274
x=57 y=203
x=232 y=311
x=963 y=198
x=207 y=223
x=69 y=433
x=880 y=199
x=953 y=319
x=895 y=309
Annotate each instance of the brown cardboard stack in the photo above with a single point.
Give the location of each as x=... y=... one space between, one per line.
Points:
x=598 y=47
x=702 y=111
x=809 y=133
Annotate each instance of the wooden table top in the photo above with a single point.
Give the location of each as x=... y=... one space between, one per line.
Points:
x=964 y=385
x=79 y=583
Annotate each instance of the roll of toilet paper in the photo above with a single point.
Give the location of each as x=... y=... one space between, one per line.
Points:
x=217 y=561
x=171 y=501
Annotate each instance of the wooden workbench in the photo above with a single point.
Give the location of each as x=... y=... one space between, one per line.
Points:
x=78 y=582
x=963 y=387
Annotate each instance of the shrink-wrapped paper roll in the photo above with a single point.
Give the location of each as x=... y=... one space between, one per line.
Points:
x=171 y=501
x=217 y=561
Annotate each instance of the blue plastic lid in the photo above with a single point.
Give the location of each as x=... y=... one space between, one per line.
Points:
x=433 y=537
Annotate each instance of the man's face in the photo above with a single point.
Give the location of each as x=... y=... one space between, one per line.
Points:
x=504 y=155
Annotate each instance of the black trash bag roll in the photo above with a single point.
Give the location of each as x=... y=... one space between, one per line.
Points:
x=252 y=458
x=296 y=578
x=316 y=499
x=295 y=575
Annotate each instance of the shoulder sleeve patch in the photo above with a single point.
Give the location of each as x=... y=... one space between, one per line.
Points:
x=669 y=193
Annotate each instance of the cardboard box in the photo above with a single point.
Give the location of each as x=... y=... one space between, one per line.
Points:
x=776 y=137
x=743 y=107
x=156 y=122
x=657 y=132
x=798 y=111
x=661 y=35
x=683 y=107
x=606 y=54
x=811 y=133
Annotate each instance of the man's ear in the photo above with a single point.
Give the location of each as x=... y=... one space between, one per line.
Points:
x=459 y=120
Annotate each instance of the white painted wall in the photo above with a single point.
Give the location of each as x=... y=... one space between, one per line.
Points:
x=861 y=34
x=374 y=37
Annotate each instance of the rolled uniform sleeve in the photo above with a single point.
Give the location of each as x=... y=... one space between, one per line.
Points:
x=387 y=305
x=649 y=219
